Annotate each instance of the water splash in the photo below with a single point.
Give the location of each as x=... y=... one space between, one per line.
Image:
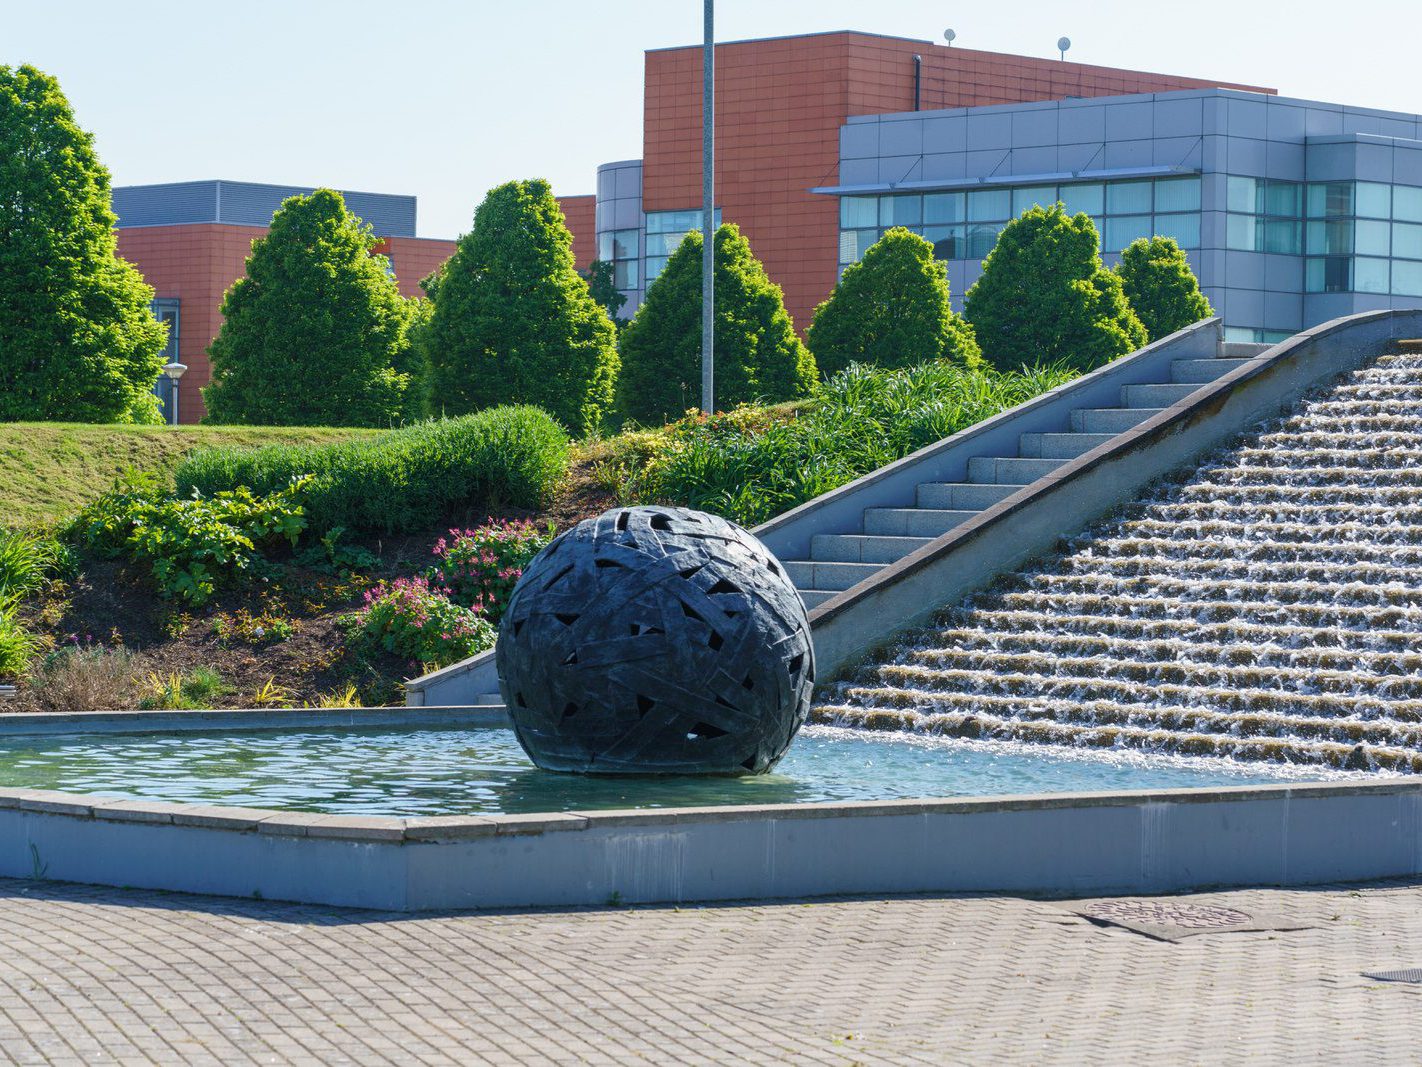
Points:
x=1267 y=608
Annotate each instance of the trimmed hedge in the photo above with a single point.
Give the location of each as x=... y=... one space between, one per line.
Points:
x=405 y=479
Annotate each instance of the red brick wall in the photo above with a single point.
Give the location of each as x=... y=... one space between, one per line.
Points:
x=197 y=263
x=580 y=212
x=779 y=106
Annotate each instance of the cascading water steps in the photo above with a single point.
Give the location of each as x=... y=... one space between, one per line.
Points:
x=1269 y=607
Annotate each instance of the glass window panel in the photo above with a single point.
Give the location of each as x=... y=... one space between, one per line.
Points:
x=1281 y=236
x=663 y=244
x=604 y=246
x=1123 y=230
x=1241 y=194
x=624 y=244
x=1371 y=238
x=624 y=274
x=1330 y=200
x=854 y=243
x=1282 y=199
x=989 y=205
x=949 y=242
x=981 y=239
x=1128 y=198
x=1407 y=240
x=943 y=208
x=857 y=211
x=1333 y=237
x=654 y=267
x=1239 y=233
x=1370 y=275
x=1030 y=196
x=1407 y=278
x=1090 y=198
x=1177 y=194
x=1407 y=203
x=1337 y=274
x=1374 y=200
x=900 y=210
x=1313 y=275
x=1184 y=228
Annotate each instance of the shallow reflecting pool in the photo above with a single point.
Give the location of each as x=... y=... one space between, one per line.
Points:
x=453 y=772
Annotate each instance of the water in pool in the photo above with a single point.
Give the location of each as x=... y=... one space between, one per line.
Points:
x=472 y=771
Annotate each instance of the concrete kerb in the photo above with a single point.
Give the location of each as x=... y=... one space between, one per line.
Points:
x=789 y=535
x=909 y=592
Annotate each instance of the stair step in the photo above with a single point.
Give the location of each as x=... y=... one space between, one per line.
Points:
x=861 y=548
x=1001 y=470
x=813 y=598
x=1109 y=420
x=962 y=495
x=913 y=522
x=1155 y=395
x=1060 y=445
x=808 y=574
x=1203 y=370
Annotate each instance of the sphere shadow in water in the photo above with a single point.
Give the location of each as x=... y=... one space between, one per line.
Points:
x=532 y=791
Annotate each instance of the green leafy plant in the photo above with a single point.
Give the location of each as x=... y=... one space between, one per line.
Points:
x=267 y=627
x=1156 y=277
x=316 y=255
x=1045 y=297
x=753 y=463
x=334 y=556
x=891 y=309
x=195 y=544
x=479 y=568
x=603 y=287
x=405 y=479
x=758 y=355
x=17 y=646
x=407 y=618
x=78 y=341
x=513 y=322
x=190 y=691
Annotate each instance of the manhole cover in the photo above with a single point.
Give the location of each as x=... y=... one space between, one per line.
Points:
x=1165 y=913
x=1413 y=976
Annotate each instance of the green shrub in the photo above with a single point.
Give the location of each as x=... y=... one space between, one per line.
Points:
x=312 y=332
x=513 y=322
x=758 y=356
x=749 y=466
x=1161 y=287
x=408 y=619
x=17 y=646
x=192 y=545
x=479 y=568
x=1045 y=297
x=891 y=309
x=25 y=559
x=192 y=691
x=405 y=479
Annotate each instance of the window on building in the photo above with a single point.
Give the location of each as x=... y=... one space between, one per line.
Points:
x=619 y=247
x=943 y=209
x=1373 y=200
x=1407 y=203
x=990 y=205
x=1328 y=274
x=1087 y=197
x=667 y=229
x=1030 y=196
x=1406 y=278
x=1370 y=275
x=167 y=310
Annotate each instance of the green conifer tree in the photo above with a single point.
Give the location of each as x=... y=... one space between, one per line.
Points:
x=891 y=309
x=313 y=331
x=758 y=355
x=78 y=339
x=1045 y=297
x=1161 y=287
x=514 y=323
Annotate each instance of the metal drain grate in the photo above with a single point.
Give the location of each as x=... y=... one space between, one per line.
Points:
x=1165 y=913
x=1412 y=976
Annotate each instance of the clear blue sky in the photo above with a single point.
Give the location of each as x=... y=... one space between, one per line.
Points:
x=444 y=99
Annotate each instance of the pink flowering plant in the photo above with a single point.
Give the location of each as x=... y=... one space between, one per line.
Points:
x=410 y=619
x=479 y=568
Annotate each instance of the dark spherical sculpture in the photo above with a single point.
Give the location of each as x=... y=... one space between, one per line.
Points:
x=656 y=641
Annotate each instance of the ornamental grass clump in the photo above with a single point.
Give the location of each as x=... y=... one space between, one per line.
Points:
x=405 y=479
x=479 y=568
x=409 y=619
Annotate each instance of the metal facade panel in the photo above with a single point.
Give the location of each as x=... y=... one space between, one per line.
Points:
x=248 y=204
x=164 y=205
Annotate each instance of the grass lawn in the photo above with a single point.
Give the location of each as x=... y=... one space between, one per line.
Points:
x=48 y=470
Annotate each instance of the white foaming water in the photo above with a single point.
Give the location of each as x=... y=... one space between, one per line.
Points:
x=1268 y=608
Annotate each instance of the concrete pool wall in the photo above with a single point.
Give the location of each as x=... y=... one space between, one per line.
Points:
x=1055 y=844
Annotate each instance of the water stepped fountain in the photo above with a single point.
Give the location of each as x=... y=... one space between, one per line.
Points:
x=1267 y=607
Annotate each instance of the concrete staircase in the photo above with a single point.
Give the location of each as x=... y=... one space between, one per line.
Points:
x=841 y=560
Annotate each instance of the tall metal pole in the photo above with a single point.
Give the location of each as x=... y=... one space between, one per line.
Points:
x=708 y=211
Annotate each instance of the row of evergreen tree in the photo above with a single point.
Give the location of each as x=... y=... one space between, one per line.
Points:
x=317 y=332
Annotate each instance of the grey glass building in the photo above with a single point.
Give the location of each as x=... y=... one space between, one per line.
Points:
x=1292 y=211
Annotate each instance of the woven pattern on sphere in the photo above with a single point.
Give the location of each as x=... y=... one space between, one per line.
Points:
x=656 y=641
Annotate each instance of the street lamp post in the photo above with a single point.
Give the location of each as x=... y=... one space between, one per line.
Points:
x=708 y=211
x=173 y=371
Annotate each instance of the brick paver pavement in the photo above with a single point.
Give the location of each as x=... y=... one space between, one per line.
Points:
x=100 y=975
